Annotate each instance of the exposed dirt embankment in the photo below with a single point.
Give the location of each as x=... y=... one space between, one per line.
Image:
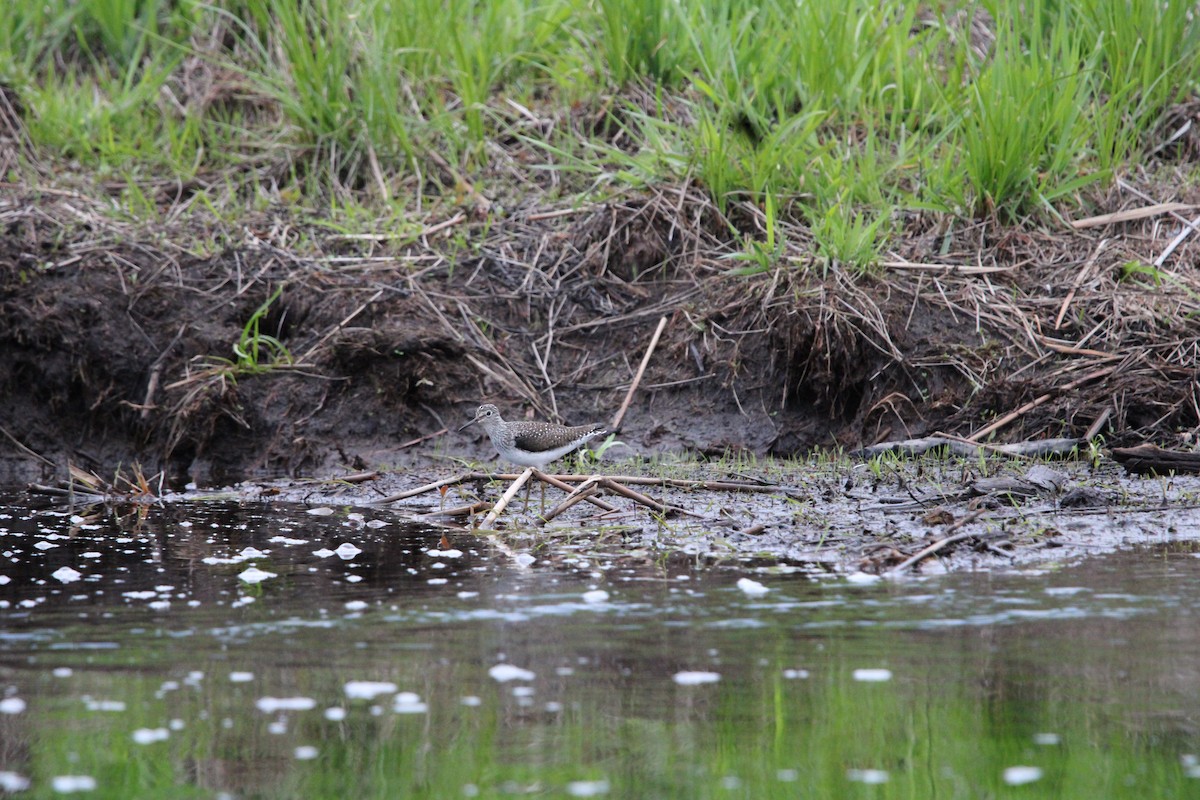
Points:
x=118 y=343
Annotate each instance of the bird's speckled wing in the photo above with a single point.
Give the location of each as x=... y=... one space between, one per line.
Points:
x=540 y=436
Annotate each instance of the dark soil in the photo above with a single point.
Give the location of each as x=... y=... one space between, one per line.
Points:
x=111 y=335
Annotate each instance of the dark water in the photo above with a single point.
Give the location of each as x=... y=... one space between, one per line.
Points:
x=138 y=658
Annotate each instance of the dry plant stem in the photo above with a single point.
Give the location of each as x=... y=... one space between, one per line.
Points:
x=1095 y=427
x=637 y=379
x=1131 y=215
x=458 y=511
x=346 y=321
x=1037 y=401
x=1188 y=229
x=21 y=446
x=581 y=493
x=419 y=439
x=429 y=487
x=938 y=545
x=638 y=497
x=676 y=483
x=506 y=498
x=558 y=484
x=1079 y=279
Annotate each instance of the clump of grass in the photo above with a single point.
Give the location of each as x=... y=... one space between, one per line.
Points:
x=843 y=114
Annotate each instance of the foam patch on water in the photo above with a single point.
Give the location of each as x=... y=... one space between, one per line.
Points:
x=1016 y=776
x=270 y=705
x=409 y=703
x=12 y=705
x=256 y=575
x=66 y=575
x=347 y=551
x=868 y=776
x=150 y=735
x=695 y=678
x=587 y=788
x=872 y=675
x=69 y=784
x=507 y=672
x=368 y=690
x=752 y=588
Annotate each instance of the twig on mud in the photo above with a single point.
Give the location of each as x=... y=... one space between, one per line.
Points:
x=1079 y=278
x=562 y=212
x=340 y=325
x=581 y=492
x=950 y=269
x=637 y=379
x=1131 y=215
x=1188 y=229
x=965 y=448
x=1095 y=427
x=19 y=445
x=1037 y=401
x=429 y=487
x=469 y=510
x=506 y=498
x=441 y=226
x=558 y=484
x=938 y=545
x=638 y=497
x=419 y=439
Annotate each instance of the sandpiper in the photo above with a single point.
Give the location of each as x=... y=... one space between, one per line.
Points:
x=531 y=444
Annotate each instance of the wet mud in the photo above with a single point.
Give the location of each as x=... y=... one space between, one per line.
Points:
x=898 y=519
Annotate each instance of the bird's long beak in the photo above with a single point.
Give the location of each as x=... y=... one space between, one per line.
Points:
x=469 y=424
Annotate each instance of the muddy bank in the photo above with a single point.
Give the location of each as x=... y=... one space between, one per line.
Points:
x=118 y=343
x=900 y=518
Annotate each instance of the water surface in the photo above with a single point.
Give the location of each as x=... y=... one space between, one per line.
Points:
x=256 y=650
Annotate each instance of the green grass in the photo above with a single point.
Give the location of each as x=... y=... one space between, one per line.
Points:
x=843 y=116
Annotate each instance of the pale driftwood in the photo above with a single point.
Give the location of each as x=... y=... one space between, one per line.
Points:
x=965 y=449
x=429 y=487
x=637 y=379
x=506 y=498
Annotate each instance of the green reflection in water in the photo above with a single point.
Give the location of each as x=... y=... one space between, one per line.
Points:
x=1095 y=689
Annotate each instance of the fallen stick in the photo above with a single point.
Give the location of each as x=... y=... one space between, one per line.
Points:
x=582 y=492
x=638 y=497
x=419 y=439
x=1037 y=401
x=938 y=545
x=677 y=483
x=637 y=379
x=1148 y=459
x=506 y=498
x=566 y=487
x=908 y=448
x=457 y=511
x=563 y=482
x=1131 y=215
x=429 y=487
x=1095 y=427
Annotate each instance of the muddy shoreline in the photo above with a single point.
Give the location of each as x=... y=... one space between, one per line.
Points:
x=828 y=516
